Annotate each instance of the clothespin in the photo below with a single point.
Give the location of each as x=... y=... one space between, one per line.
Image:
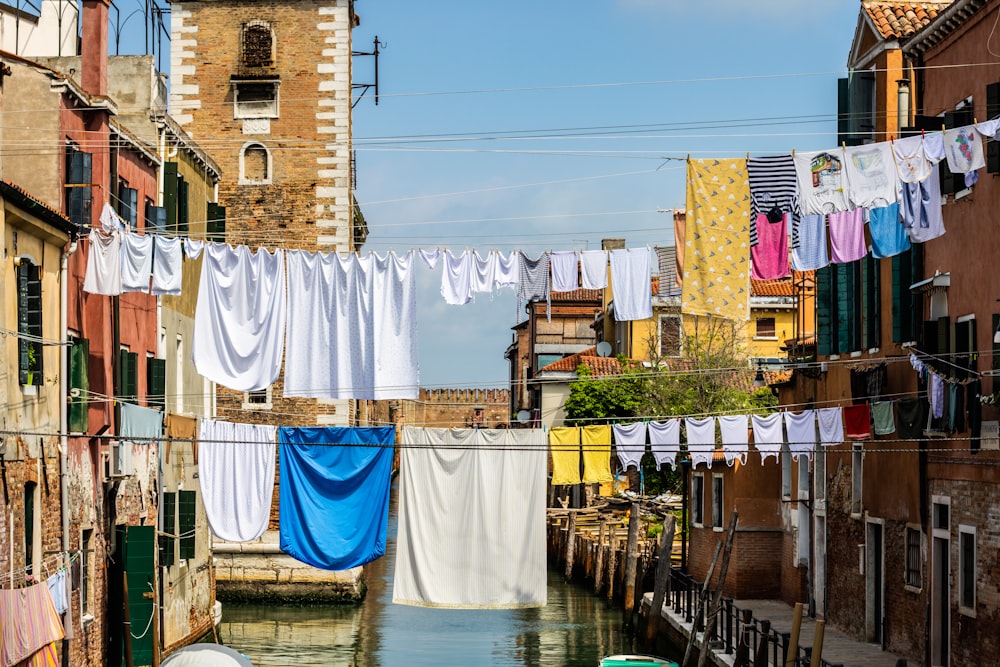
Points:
x=793 y=152
x=922 y=134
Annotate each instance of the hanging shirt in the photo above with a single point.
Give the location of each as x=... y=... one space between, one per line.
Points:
x=773 y=190
x=882 y=416
x=922 y=209
x=533 y=282
x=735 y=438
x=595 y=441
x=564 y=444
x=484 y=272
x=857 y=422
x=430 y=257
x=935 y=394
x=665 y=442
x=481 y=484
x=871 y=175
x=239 y=322
x=507 y=271
x=769 y=257
x=104 y=264
x=822 y=185
x=333 y=496
x=137 y=262
x=565 y=276
x=847 y=236
x=594 y=269
x=57 y=589
x=630 y=282
x=630 y=444
x=888 y=235
x=700 y=440
x=193 y=248
x=236 y=473
x=456 y=278
x=167 y=261
x=801 y=429
x=809 y=243
x=831 y=426
x=911 y=162
x=963 y=147
x=911 y=418
x=768 y=435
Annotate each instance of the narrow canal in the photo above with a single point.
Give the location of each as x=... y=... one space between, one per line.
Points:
x=575 y=628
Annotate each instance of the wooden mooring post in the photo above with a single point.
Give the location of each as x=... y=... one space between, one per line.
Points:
x=612 y=561
x=662 y=584
x=570 y=545
x=631 y=556
x=600 y=555
x=791 y=657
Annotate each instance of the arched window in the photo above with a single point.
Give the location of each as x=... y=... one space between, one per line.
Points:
x=255 y=164
x=258 y=44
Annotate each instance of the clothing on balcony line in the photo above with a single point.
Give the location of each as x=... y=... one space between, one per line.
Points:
x=630 y=282
x=193 y=248
x=888 y=235
x=858 y=422
x=773 y=190
x=630 y=443
x=565 y=275
x=594 y=269
x=871 y=175
x=564 y=445
x=768 y=435
x=769 y=256
x=104 y=264
x=30 y=627
x=847 y=236
x=167 y=262
x=963 y=148
x=137 y=261
x=700 y=440
x=595 y=441
x=809 y=243
x=735 y=433
x=801 y=430
x=665 y=441
x=822 y=183
x=883 y=418
x=831 y=425
x=922 y=216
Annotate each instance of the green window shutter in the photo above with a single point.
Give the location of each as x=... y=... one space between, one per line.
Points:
x=129 y=372
x=182 y=206
x=140 y=560
x=216 y=223
x=186 y=522
x=824 y=314
x=29 y=323
x=992 y=111
x=166 y=542
x=843 y=110
x=897 y=313
x=79 y=378
x=156 y=382
x=170 y=196
x=873 y=305
x=845 y=306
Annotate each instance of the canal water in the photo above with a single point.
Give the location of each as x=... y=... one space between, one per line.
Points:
x=575 y=628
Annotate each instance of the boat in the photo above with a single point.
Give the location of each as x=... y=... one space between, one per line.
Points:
x=636 y=661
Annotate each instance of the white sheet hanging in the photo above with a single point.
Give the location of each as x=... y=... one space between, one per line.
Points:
x=801 y=430
x=630 y=282
x=507 y=270
x=831 y=426
x=594 y=269
x=456 y=278
x=471 y=519
x=137 y=262
x=565 y=276
x=104 y=264
x=483 y=273
x=239 y=322
x=236 y=473
x=430 y=257
x=167 y=264
x=768 y=435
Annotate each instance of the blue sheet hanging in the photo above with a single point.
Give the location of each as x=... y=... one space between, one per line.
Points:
x=334 y=494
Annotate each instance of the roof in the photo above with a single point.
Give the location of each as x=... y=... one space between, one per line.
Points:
x=578 y=295
x=37 y=206
x=599 y=366
x=902 y=19
x=782 y=287
x=950 y=19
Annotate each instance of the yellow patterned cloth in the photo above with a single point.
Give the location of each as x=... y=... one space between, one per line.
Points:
x=596 y=442
x=717 y=239
x=564 y=443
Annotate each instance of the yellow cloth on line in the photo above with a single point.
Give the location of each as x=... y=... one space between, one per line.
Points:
x=717 y=239
x=564 y=444
x=596 y=442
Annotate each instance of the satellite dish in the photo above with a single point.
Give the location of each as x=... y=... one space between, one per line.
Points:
x=603 y=348
x=523 y=416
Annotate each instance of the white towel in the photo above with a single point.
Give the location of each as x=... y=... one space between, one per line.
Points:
x=801 y=429
x=700 y=440
x=57 y=589
x=239 y=322
x=104 y=264
x=456 y=278
x=137 y=262
x=565 y=276
x=430 y=257
x=768 y=435
x=630 y=443
x=480 y=483
x=193 y=248
x=831 y=426
x=665 y=442
x=236 y=473
x=735 y=438
x=630 y=283
x=594 y=269
x=167 y=266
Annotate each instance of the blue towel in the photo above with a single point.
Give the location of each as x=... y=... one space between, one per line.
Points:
x=333 y=497
x=888 y=234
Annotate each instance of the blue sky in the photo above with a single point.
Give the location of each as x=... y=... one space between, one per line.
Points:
x=545 y=125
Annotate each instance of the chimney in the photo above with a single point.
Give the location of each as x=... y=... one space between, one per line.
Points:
x=94 y=47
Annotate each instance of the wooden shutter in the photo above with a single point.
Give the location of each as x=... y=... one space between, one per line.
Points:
x=824 y=313
x=216 y=227
x=170 y=196
x=78 y=170
x=872 y=314
x=845 y=306
x=169 y=526
x=29 y=323
x=182 y=206
x=992 y=111
x=156 y=382
x=129 y=376
x=79 y=358
x=186 y=522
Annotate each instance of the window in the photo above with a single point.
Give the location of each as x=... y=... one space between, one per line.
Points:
x=255 y=165
x=155 y=217
x=128 y=383
x=168 y=529
x=765 y=328
x=127 y=202
x=182 y=206
x=216 y=224
x=87 y=573
x=257 y=400
x=255 y=99
x=698 y=499
x=156 y=382
x=907 y=307
x=32 y=529
x=967 y=569
x=856 y=108
x=258 y=45
x=913 y=560
x=170 y=192
x=857 y=476
x=670 y=336
x=186 y=523
x=29 y=323
x=546 y=359
x=79 y=382
x=717 y=520
x=78 y=179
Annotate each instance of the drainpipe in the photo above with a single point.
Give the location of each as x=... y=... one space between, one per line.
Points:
x=64 y=418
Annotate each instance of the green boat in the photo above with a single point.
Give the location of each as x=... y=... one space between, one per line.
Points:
x=636 y=661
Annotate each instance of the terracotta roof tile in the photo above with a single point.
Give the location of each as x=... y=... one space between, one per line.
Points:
x=902 y=19
x=599 y=366
x=579 y=295
x=783 y=287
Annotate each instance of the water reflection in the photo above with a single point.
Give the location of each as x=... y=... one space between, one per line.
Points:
x=575 y=628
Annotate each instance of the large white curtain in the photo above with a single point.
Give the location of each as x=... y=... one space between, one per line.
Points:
x=471 y=518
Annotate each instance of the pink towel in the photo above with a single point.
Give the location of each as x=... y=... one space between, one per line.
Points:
x=847 y=236
x=30 y=623
x=769 y=258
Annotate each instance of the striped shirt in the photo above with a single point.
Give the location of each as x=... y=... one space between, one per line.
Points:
x=772 y=183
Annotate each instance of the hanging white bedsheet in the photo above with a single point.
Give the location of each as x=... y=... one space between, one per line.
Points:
x=471 y=518
x=239 y=323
